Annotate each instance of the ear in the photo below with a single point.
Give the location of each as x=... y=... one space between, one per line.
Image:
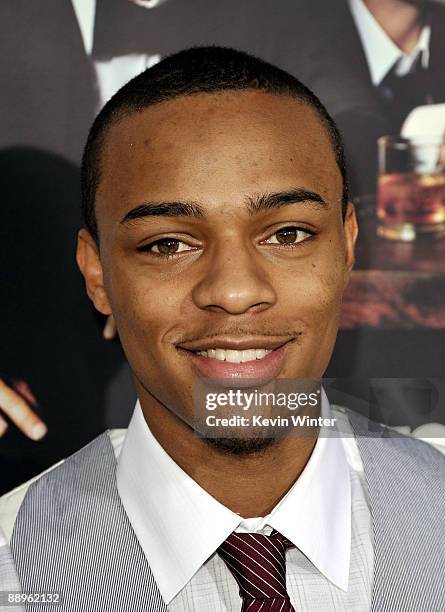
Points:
x=350 y=228
x=88 y=260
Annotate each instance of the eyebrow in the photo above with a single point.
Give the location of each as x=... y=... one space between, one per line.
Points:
x=267 y=201
x=255 y=204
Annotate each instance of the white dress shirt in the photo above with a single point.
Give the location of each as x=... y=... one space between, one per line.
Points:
x=9 y=582
x=180 y=526
x=380 y=50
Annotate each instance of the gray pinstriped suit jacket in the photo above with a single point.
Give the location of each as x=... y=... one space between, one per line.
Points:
x=72 y=534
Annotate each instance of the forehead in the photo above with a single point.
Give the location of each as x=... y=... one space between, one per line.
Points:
x=212 y=146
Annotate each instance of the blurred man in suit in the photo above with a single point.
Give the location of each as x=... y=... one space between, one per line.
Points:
x=371 y=62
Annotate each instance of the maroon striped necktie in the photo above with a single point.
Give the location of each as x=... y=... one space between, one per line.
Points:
x=258 y=564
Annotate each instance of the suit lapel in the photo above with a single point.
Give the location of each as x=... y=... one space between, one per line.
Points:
x=437 y=54
x=337 y=47
x=49 y=100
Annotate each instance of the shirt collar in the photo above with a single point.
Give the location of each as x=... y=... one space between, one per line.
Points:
x=179 y=525
x=316 y=513
x=85 y=11
x=381 y=52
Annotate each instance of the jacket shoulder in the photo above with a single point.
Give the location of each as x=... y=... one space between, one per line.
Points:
x=52 y=478
x=408 y=455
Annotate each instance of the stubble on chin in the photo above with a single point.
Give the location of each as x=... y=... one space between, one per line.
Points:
x=241 y=447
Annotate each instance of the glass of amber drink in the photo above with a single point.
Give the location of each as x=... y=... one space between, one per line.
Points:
x=411 y=187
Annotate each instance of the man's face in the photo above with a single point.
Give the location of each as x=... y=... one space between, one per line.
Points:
x=258 y=264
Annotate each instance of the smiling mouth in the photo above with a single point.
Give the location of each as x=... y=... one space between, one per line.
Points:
x=234 y=355
x=238 y=358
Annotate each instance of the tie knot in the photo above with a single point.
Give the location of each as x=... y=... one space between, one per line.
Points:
x=258 y=564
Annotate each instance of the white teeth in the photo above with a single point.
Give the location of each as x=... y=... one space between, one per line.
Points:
x=234 y=356
x=249 y=355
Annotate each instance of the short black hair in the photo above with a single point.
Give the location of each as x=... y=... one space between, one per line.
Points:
x=197 y=70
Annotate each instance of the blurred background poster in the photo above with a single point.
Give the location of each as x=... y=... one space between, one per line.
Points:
x=378 y=66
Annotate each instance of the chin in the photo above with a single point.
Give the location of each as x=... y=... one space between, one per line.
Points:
x=239 y=447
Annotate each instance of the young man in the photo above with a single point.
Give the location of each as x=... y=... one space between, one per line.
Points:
x=220 y=237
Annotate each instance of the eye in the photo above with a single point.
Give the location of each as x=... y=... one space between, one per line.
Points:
x=289 y=236
x=165 y=247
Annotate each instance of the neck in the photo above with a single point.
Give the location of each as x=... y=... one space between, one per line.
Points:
x=402 y=21
x=249 y=485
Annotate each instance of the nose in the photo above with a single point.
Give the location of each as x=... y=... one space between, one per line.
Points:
x=234 y=281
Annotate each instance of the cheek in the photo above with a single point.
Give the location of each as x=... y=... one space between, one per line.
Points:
x=314 y=289
x=144 y=310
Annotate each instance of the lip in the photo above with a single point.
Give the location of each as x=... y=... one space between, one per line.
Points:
x=263 y=370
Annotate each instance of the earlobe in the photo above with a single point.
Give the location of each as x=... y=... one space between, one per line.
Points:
x=88 y=260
